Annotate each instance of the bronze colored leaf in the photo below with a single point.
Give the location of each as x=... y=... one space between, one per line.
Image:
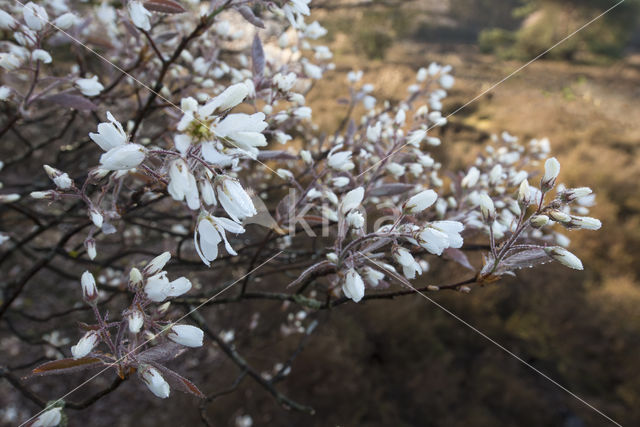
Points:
x=163 y=6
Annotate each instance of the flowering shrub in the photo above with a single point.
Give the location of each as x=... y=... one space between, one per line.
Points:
x=204 y=159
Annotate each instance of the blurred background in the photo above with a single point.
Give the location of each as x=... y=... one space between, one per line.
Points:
x=406 y=362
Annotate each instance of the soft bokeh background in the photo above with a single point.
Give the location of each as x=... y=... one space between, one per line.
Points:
x=407 y=362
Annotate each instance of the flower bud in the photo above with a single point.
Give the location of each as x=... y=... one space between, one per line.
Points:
x=234 y=199
x=572 y=194
x=487 y=208
x=90 y=246
x=564 y=257
x=353 y=286
x=85 y=345
x=49 y=194
x=59 y=178
x=187 y=335
x=352 y=200
x=136 y=321
x=551 y=171
x=585 y=223
x=135 y=277
x=420 y=201
x=49 y=418
x=9 y=198
x=559 y=216
x=524 y=194
x=155 y=383
x=96 y=217
x=157 y=264
x=89 y=289
x=65 y=21
x=539 y=221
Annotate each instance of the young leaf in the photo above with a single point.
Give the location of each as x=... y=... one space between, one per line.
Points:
x=63 y=366
x=163 y=6
x=161 y=352
x=248 y=14
x=257 y=58
x=458 y=256
x=178 y=381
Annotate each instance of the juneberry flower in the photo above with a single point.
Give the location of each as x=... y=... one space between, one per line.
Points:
x=139 y=15
x=157 y=264
x=551 y=172
x=110 y=135
x=340 y=160
x=49 y=418
x=353 y=286
x=135 y=319
x=182 y=184
x=209 y=232
x=352 y=200
x=158 y=287
x=564 y=257
x=420 y=201
x=124 y=157
x=85 y=345
x=91 y=87
x=234 y=199
x=187 y=335
x=89 y=289
x=440 y=235
x=60 y=179
x=155 y=382
x=409 y=265
x=35 y=16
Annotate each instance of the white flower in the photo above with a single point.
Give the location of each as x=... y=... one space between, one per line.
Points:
x=294 y=8
x=182 y=184
x=446 y=81
x=396 y=169
x=355 y=219
x=35 y=16
x=50 y=418
x=585 y=223
x=354 y=76
x=409 y=265
x=440 y=235
x=91 y=248
x=89 y=288
x=487 y=207
x=136 y=321
x=524 y=193
x=9 y=61
x=372 y=276
x=416 y=137
x=340 y=160
x=471 y=179
x=353 y=286
x=41 y=55
x=187 y=335
x=96 y=217
x=232 y=96
x=564 y=257
x=110 y=135
x=234 y=199
x=421 y=75
x=208 y=193
x=373 y=132
x=60 y=179
x=244 y=130
x=285 y=174
x=352 y=200
x=90 y=87
x=123 y=157
x=157 y=264
x=139 y=15
x=65 y=21
x=315 y=30
x=211 y=231
x=6 y=21
x=85 y=345
x=311 y=70
x=155 y=383
x=284 y=82
x=575 y=193
x=551 y=171
x=5 y=92
x=340 y=181
x=159 y=288
x=420 y=201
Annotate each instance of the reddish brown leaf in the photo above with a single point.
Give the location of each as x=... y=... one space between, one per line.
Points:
x=163 y=6
x=178 y=382
x=248 y=14
x=66 y=365
x=458 y=256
